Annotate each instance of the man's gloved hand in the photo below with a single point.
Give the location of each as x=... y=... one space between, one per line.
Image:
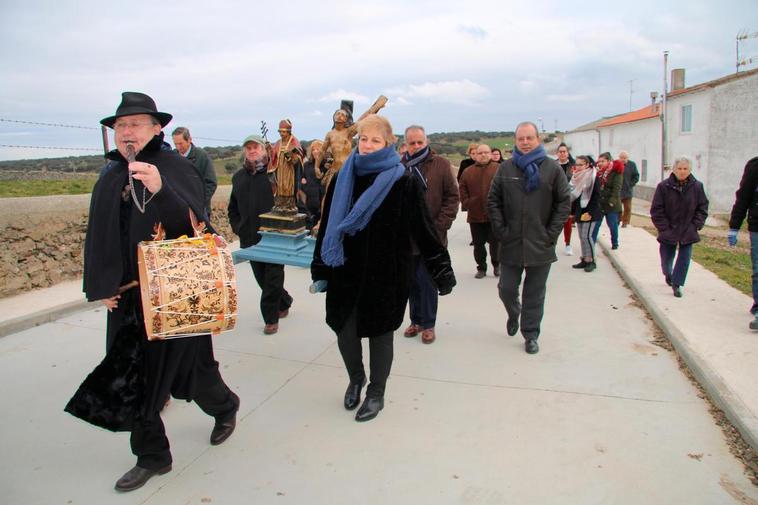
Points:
x=446 y=283
x=731 y=237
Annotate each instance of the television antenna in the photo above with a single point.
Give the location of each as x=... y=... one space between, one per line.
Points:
x=742 y=36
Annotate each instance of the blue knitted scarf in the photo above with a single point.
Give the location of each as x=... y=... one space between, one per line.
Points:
x=346 y=220
x=529 y=164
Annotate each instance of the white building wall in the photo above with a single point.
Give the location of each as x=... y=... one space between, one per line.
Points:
x=642 y=140
x=695 y=144
x=583 y=142
x=733 y=138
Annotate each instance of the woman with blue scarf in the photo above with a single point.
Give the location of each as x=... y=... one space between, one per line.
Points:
x=373 y=209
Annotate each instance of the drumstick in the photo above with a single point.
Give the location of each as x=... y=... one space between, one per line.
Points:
x=127 y=287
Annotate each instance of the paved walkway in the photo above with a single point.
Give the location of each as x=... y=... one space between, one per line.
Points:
x=600 y=415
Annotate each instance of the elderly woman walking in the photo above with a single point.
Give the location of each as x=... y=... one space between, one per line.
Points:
x=678 y=211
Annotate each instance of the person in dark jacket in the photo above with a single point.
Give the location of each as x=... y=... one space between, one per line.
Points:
x=466 y=162
x=528 y=203
x=474 y=188
x=442 y=198
x=373 y=210
x=252 y=196
x=611 y=177
x=631 y=178
x=311 y=191
x=145 y=185
x=746 y=203
x=184 y=146
x=679 y=210
x=585 y=191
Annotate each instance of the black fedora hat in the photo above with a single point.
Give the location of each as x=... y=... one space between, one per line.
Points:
x=133 y=103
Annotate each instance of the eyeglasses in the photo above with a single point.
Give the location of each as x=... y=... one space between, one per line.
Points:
x=284 y=131
x=132 y=126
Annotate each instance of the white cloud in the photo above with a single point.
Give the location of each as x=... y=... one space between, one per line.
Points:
x=341 y=94
x=463 y=92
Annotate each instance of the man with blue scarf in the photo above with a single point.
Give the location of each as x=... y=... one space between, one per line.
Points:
x=528 y=203
x=442 y=199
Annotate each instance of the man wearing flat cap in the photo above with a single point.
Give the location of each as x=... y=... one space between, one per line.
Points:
x=252 y=196
x=145 y=185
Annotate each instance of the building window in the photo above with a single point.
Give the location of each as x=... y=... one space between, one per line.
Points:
x=643 y=172
x=686 y=119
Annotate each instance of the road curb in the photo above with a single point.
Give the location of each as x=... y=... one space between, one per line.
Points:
x=41 y=317
x=718 y=392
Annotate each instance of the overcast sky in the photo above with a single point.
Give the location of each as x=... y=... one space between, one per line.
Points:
x=222 y=67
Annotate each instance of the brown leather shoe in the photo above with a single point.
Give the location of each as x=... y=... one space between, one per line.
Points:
x=270 y=329
x=428 y=336
x=412 y=330
x=137 y=477
x=284 y=313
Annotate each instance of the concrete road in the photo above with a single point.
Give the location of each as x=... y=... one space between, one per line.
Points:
x=600 y=416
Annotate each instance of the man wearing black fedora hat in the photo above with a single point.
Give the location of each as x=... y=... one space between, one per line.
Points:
x=145 y=185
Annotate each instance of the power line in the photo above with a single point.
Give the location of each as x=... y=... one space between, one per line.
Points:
x=48 y=124
x=219 y=140
x=49 y=147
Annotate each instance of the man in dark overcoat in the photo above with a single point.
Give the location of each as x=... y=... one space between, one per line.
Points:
x=528 y=204
x=145 y=185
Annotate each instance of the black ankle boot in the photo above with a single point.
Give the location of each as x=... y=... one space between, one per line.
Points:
x=353 y=394
x=370 y=409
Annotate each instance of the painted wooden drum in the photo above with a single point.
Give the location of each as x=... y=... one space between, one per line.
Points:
x=188 y=287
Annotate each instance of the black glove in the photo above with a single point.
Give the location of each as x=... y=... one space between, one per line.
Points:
x=446 y=282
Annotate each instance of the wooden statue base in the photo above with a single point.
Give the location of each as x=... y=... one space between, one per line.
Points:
x=281 y=248
x=292 y=225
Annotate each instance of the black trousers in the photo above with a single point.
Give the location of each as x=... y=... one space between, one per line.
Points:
x=274 y=298
x=481 y=234
x=148 y=438
x=533 y=296
x=380 y=357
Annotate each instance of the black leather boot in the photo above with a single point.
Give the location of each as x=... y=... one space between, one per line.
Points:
x=370 y=409
x=137 y=476
x=353 y=394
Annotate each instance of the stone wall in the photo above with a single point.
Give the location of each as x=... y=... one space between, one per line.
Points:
x=43 y=238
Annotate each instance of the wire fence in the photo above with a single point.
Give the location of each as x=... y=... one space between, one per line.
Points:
x=79 y=127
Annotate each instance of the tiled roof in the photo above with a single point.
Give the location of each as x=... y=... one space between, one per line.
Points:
x=648 y=112
x=590 y=126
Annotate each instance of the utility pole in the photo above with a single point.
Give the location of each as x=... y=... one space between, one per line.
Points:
x=631 y=91
x=664 y=124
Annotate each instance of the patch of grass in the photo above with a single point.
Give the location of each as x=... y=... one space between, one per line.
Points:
x=730 y=265
x=499 y=142
x=42 y=187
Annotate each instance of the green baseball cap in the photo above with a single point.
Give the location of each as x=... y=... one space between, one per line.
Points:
x=254 y=138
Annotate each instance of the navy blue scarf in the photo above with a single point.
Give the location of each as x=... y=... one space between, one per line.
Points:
x=529 y=164
x=346 y=220
x=413 y=162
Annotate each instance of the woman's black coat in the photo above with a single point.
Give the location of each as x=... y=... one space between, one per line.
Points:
x=376 y=276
